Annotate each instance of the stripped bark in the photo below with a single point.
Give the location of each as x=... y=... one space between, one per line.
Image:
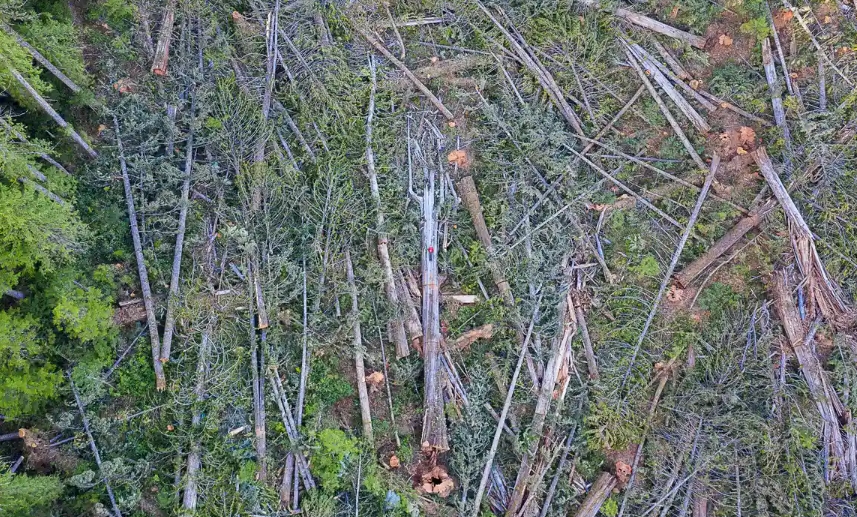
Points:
x=172 y=296
x=546 y=390
x=42 y=60
x=359 y=367
x=412 y=318
x=695 y=268
x=591 y=362
x=142 y=271
x=50 y=111
x=823 y=292
x=93 y=447
x=396 y=323
x=162 y=50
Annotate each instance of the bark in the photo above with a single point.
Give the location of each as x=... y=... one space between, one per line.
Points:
x=194 y=457
x=172 y=297
x=12 y=436
x=160 y=381
x=94 y=448
x=434 y=433
x=360 y=369
x=42 y=60
x=162 y=50
x=397 y=326
x=600 y=491
x=51 y=112
x=695 y=268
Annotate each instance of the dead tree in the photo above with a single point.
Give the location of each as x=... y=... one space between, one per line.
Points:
x=42 y=60
x=194 y=457
x=359 y=367
x=776 y=96
x=93 y=447
x=160 y=380
x=50 y=111
x=162 y=50
x=172 y=297
x=397 y=326
x=653 y=25
x=823 y=292
x=257 y=365
x=838 y=431
x=543 y=402
x=434 y=434
x=501 y=421
x=44 y=156
x=412 y=318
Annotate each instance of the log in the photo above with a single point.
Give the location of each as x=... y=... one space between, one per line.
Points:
x=600 y=491
x=142 y=271
x=359 y=367
x=410 y=75
x=291 y=429
x=257 y=375
x=591 y=362
x=412 y=318
x=42 y=60
x=162 y=49
x=50 y=111
x=396 y=323
x=184 y=205
x=47 y=193
x=684 y=277
x=776 y=95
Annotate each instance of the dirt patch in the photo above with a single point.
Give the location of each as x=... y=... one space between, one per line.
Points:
x=733 y=142
x=726 y=43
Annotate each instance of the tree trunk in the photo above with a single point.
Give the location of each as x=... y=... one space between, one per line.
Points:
x=412 y=318
x=172 y=297
x=51 y=112
x=162 y=50
x=160 y=381
x=257 y=376
x=44 y=156
x=359 y=367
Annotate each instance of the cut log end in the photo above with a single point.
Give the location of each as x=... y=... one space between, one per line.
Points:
x=159 y=71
